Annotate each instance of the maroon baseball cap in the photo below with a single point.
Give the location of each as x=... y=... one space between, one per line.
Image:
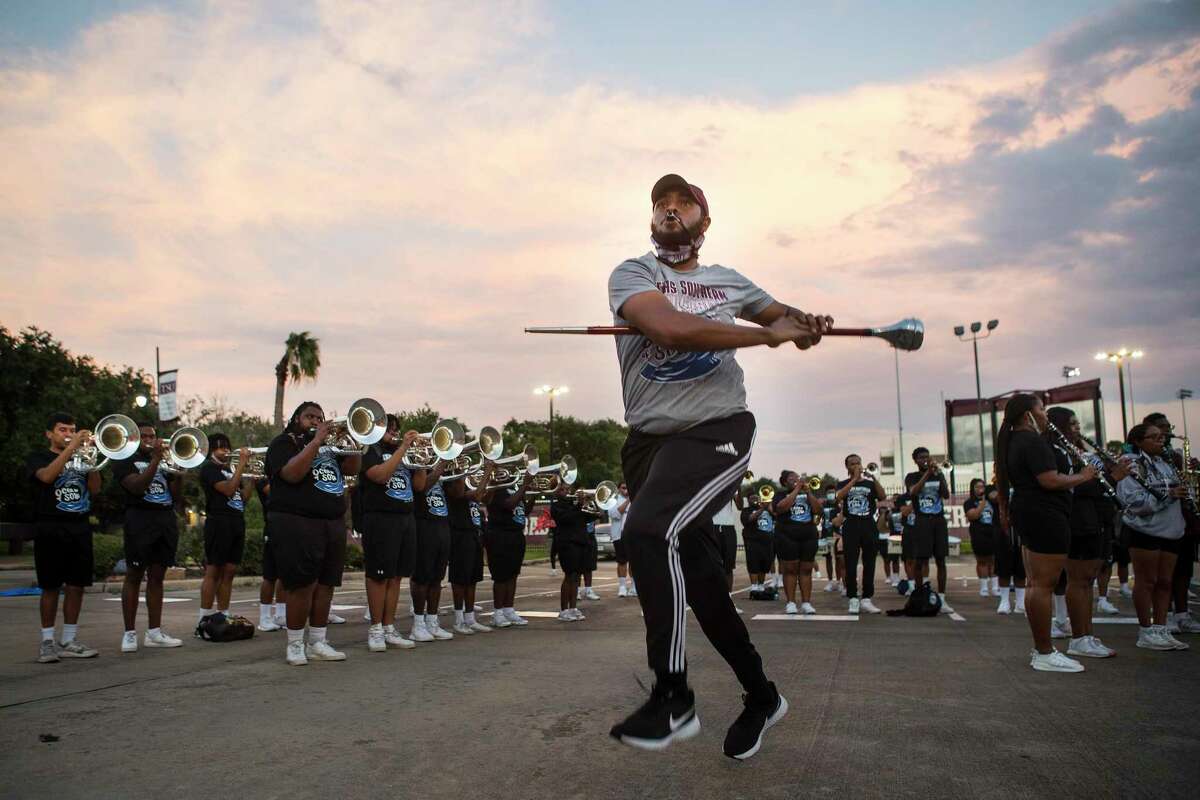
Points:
x=673 y=181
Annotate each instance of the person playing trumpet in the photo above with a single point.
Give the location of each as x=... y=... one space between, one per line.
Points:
x=466 y=550
x=929 y=491
x=568 y=509
x=151 y=535
x=507 y=512
x=433 y=553
x=796 y=537
x=63 y=558
x=225 y=496
x=758 y=525
x=859 y=494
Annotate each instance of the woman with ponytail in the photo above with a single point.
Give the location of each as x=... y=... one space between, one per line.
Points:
x=1039 y=513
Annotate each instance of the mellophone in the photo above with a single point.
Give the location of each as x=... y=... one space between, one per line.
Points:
x=117 y=438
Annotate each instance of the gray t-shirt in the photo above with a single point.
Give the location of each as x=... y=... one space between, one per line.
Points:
x=667 y=391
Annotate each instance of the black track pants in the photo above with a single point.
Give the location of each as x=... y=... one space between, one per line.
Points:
x=677 y=482
x=859 y=533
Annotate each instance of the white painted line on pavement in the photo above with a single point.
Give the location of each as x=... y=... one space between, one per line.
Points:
x=344 y=608
x=957 y=617
x=142 y=599
x=1115 y=620
x=538 y=614
x=808 y=617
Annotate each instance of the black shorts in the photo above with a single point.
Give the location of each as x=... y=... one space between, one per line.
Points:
x=907 y=542
x=433 y=550
x=505 y=551
x=1010 y=562
x=760 y=551
x=477 y=571
x=224 y=539
x=727 y=543
x=463 y=545
x=151 y=537
x=1142 y=541
x=593 y=557
x=270 y=572
x=1086 y=548
x=797 y=542
x=389 y=544
x=62 y=554
x=1043 y=531
x=308 y=550
x=931 y=537
x=574 y=557
x=621 y=552
x=983 y=541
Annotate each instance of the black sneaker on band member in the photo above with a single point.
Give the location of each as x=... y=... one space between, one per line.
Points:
x=668 y=716
x=745 y=735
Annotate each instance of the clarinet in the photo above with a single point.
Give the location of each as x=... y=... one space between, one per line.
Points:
x=1080 y=456
x=1107 y=458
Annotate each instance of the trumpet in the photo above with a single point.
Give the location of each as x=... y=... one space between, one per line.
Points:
x=814 y=483
x=444 y=443
x=766 y=493
x=116 y=438
x=944 y=466
x=351 y=434
x=506 y=472
x=747 y=478
x=872 y=469
x=489 y=444
x=255 y=466
x=602 y=498
x=547 y=479
x=186 y=449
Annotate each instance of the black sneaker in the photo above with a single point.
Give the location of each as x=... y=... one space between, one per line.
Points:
x=745 y=735
x=668 y=716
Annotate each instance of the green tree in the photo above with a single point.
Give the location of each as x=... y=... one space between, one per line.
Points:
x=301 y=360
x=38 y=376
x=596 y=445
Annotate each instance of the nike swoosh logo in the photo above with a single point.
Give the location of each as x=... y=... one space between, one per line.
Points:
x=676 y=724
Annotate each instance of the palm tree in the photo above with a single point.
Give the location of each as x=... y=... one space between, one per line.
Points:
x=301 y=359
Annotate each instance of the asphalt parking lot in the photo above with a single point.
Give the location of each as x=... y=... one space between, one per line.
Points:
x=880 y=707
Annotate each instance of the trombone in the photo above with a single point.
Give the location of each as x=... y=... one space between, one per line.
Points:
x=186 y=449
x=351 y=434
x=116 y=438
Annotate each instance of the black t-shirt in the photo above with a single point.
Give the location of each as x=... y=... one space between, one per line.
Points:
x=860 y=500
x=800 y=513
x=396 y=496
x=67 y=499
x=987 y=518
x=157 y=496
x=764 y=524
x=460 y=512
x=570 y=521
x=431 y=503
x=1029 y=455
x=212 y=473
x=929 y=501
x=260 y=489
x=320 y=494
x=503 y=519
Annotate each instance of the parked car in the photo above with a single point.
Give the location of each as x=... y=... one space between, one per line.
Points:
x=604 y=542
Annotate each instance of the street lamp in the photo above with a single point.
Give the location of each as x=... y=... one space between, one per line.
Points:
x=140 y=401
x=974 y=339
x=551 y=392
x=1183 y=394
x=1071 y=372
x=1120 y=358
x=1129 y=369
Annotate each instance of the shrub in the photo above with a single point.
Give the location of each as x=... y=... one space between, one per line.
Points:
x=253 y=558
x=190 y=552
x=354 y=556
x=108 y=550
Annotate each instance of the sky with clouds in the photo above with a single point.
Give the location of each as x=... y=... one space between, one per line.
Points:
x=414 y=183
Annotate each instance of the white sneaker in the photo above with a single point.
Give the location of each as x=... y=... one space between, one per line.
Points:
x=394 y=639
x=517 y=619
x=622 y=592
x=1019 y=608
x=1149 y=639
x=1105 y=607
x=566 y=616
x=807 y=608
x=1187 y=623
x=1171 y=640
x=633 y=591
x=791 y=609
x=281 y=621
x=376 y=642
x=1172 y=626
x=479 y=627
x=334 y=619
x=295 y=653
x=438 y=632
x=1004 y=607
x=553 y=572
x=577 y=613
x=129 y=642
x=946 y=607
x=579 y=593
x=160 y=639
x=831 y=586
x=323 y=651
x=590 y=594
x=420 y=634
x=499 y=620
x=1126 y=592
x=983 y=589
x=1090 y=647
x=1060 y=630
x=867 y=606
x=463 y=628
x=267 y=625
x=1053 y=661
x=367 y=616
x=854 y=606
x=842 y=588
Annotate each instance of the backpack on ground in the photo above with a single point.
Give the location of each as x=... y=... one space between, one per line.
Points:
x=923 y=602
x=224 y=628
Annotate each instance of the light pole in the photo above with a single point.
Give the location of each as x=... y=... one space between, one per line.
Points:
x=1129 y=369
x=1071 y=372
x=1184 y=394
x=551 y=392
x=1119 y=358
x=975 y=337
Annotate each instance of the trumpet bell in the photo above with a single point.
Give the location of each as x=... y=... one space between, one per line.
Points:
x=766 y=494
x=117 y=437
x=448 y=439
x=367 y=421
x=491 y=443
x=814 y=483
x=606 y=496
x=187 y=448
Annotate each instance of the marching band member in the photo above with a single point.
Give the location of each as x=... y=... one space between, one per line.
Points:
x=981 y=516
x=466 y=530
x=433 y=553
x=858 y=496
x=507 y=511
x=225 y=496
x=835 y=558
x=62 y=555
x=758 y=525
x=586 y=592
x=883 y=525
x=931 y=536
x=308 y=503
x=899 y=509
x=616 y=521
x=796 y=541
x=725 y=529
x=1039 y=512
x=1180 y=620
x=908 y=527
x=1151 y=494
x=570 y=531
x=389 y=532
x=151 y=535
x=272 y=602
